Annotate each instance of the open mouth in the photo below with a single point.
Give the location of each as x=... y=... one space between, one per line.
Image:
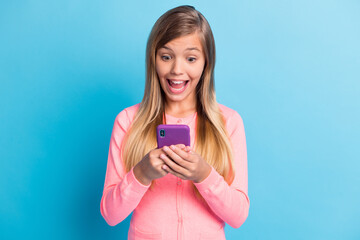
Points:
x=177 y=86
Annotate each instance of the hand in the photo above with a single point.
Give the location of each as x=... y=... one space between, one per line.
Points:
x=150 y=167
x=184 y=163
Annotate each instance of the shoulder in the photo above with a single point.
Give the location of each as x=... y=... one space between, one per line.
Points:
x=126 y=116
x=229 y=114
x=232 y=118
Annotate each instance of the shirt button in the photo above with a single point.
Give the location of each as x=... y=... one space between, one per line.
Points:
x=178 y=182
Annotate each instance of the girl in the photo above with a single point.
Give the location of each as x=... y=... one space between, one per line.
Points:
x=178 y=192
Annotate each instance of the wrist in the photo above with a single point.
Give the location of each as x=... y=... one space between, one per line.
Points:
x=205 y=174
x=138 y=173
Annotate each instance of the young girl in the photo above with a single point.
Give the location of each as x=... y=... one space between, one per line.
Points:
x=178 y=192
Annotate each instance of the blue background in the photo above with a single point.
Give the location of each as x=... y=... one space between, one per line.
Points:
x=290 y=68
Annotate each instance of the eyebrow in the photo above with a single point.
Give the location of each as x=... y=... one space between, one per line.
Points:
x=188 y=49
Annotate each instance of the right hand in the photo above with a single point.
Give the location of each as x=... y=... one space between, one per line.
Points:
x=150 y=167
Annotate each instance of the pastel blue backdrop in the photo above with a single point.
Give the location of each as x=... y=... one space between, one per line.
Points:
x=290 y=68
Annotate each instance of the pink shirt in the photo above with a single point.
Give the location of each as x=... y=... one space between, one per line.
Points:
x=171 y=210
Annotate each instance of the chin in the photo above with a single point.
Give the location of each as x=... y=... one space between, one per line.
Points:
x=175 y=98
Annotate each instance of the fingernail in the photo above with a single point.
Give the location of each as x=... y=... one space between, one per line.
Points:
x=166 y=148
x=172 y=147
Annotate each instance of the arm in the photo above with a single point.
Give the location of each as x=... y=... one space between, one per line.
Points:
x=230 y=203
x=122 y=191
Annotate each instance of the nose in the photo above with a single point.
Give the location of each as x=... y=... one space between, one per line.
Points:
x=176 y=68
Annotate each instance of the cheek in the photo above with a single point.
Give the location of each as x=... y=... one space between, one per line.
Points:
x=197 y=72
x=161 y=70
x=158 y=69
x=161 y=74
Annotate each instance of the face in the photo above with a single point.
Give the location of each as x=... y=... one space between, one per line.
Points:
x=179 y=65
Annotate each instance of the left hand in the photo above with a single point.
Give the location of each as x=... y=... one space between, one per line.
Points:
x=184 y=163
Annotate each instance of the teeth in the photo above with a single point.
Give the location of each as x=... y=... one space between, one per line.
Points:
x=177 y=82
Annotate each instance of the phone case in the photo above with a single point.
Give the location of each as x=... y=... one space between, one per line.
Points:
x=171 y=134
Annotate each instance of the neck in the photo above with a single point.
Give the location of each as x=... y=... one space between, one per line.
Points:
x=180 y=109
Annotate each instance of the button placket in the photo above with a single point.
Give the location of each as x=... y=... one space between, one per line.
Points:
x=179 y=189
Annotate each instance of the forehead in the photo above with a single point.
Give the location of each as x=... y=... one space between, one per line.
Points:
x=187 y=42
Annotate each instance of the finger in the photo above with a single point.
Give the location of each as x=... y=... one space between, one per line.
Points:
x=181 y=152
x=169 y=170
x=181 y=146
x=189 y=150
x=176 y=157
x=163 y=169
x=173 y=165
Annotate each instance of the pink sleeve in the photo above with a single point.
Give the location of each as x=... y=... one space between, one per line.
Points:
x=122 y=191
x=230 y=203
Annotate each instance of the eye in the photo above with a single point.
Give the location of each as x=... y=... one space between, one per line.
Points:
x=165 y=57
x=191 y=59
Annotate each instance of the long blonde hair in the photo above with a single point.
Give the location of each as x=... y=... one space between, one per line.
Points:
x=212 y=141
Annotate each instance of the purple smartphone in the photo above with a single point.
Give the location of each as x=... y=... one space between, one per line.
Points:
x=168 y=134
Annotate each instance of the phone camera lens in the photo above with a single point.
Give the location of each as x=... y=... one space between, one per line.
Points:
x=162 y=133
